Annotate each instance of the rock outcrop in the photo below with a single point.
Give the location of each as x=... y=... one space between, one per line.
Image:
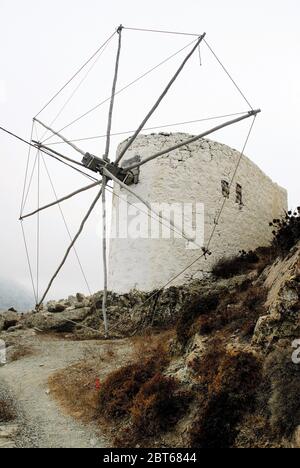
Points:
x=283 y=303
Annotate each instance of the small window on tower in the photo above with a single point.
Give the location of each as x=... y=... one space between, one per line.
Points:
x=225 y=189
x=239 y=194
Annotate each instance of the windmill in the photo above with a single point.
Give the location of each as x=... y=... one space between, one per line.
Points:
x=114 y=170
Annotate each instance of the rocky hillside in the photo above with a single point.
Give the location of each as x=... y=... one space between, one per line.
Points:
x=229 y=375
x=216 y=363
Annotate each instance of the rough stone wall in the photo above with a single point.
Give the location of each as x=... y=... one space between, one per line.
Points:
x=193 y=174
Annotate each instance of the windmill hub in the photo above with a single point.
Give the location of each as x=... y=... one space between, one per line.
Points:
x=129 y=177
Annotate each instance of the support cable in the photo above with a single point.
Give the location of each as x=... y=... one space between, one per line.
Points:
x=26 y=171
x=161 y=31
x=52 y=153
x=159 y=100
x=66 y=226
x=193 y=139
x=151 y=128
x=176 y=229
x=40 y=147
x=76 y=74
x=30 y=180
x=77 y=88
x=65 y=140
x=217 y=219
x=125 y=87
x=29 y=263
x=228 y=74
x=213 y=230
x=70 y=246
x=157 y=218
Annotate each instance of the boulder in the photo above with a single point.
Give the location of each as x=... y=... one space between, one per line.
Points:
x=56 y=307
x=60 y=322
x=80 y=297
x=9 y=319
x=77 y=315
x=49 y=322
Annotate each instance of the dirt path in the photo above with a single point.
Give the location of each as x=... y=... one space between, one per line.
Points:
x=42 y=423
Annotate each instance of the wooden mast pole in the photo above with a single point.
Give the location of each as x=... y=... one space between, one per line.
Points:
x=104 y=182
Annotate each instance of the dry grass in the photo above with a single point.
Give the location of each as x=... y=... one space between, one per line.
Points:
x=21 y=351
x=147 y=343
x=77 y=387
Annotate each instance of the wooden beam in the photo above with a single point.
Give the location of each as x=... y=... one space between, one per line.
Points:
x=193 y=139
x=67 y=197
x=169 y=221
x=113 y=93
x=104 y=256
x=104 y=182
x=40 y=146
x=161 y=97
x=61 y=137
x=70 y=247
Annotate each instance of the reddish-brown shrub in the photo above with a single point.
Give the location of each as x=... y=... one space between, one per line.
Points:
x=284 y=377
x=121 y=387
x=158 y=406
x=190 y=311
x=231 y=391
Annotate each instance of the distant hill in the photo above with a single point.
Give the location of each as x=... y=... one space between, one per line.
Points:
x=14 y=295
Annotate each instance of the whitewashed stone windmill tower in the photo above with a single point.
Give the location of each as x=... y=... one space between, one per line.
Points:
x=200 y=175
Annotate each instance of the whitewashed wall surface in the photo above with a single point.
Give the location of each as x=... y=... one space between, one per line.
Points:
x=192 y=174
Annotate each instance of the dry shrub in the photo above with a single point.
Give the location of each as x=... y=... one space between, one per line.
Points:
x=238 y=311
x=147 y=343
x=284 y=403
x=286 y=232
x=158 y=406
x=231 y=379
x=121 y=386
x=233 y=266
x=191 y=310
x=7 y=412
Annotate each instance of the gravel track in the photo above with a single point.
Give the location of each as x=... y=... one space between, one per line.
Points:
x=42 y=424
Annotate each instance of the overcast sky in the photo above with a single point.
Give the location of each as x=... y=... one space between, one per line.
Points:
x=43 y=43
